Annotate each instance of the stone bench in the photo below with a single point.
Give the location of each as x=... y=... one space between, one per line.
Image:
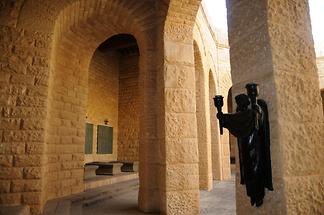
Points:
x=90 y=171
x=129 y=166
x=107 y=168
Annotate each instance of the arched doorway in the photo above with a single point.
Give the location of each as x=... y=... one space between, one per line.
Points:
x=113 y=101
x=75 y=51
x=203 y=127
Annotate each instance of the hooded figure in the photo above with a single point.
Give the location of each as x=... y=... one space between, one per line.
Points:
x=250 y=124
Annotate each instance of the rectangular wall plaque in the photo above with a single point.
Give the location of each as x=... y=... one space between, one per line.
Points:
x=104 y=139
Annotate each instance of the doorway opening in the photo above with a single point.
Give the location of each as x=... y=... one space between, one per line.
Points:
x=112 y=113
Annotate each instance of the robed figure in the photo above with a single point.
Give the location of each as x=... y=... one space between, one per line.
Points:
x=250 y=124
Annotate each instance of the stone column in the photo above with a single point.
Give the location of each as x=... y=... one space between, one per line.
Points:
x=149 y=150
x=271 y=44
x=24 y=73
x=179 y=170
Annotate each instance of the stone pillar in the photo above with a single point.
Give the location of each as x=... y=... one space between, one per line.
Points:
x=23 y=94
x=271 y=44
x=179 y=170
x=149 y=149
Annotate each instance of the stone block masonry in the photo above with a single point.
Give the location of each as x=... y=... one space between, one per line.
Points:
x=23 y=95
x=46 y=49
x=128 y=108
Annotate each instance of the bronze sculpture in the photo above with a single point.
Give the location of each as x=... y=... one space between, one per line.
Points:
x=250 y=124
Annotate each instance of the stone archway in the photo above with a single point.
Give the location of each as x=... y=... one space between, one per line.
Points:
x=203 y=127
x=257 y=34
x=76 y=39
x=61 y=37
x=271 y=48
x=113 y=99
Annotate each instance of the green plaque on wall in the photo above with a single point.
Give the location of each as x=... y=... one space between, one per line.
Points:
x=104 y=139
x=88 y=138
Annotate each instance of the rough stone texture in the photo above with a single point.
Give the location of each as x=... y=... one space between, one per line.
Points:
x=103 y=99
x=128 y=109
x=23 y=91
x=9 y=12
x=46 y=49
x=275 y=49
x=211 y=60
x=180 y=123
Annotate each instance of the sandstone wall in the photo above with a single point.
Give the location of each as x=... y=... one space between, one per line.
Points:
x=320 y=67
x=129 y=108
x=75 y=44
x=214 y=75
x=103 y=92
x=46 y=48
x=23 y=93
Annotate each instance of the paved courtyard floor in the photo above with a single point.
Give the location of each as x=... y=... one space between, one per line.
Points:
x=219 y=201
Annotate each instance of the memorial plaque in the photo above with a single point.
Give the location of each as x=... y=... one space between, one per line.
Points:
x=104 y=139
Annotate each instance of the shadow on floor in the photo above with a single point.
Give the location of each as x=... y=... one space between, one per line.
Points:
x=121 y=199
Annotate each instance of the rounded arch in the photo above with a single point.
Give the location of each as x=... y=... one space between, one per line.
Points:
x=203 y=127
x=42 y=15
x=113 y=95
x=188 y=12
x=79 y=28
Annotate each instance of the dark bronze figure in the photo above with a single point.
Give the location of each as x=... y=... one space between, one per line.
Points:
x=250 y=124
